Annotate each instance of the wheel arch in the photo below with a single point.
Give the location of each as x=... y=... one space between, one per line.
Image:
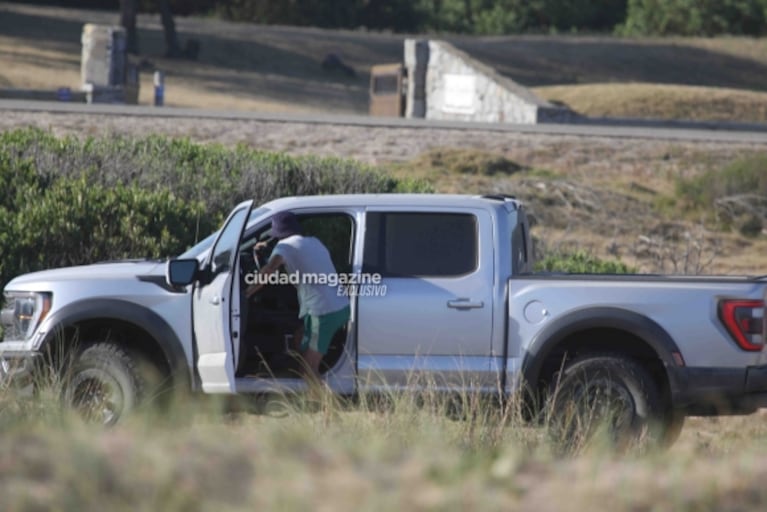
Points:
x=596 y=329
x=162 y=342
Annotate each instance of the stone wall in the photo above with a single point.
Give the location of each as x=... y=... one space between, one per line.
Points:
x=447 y=84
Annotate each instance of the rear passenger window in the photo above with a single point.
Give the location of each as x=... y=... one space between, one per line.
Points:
x=420 y=244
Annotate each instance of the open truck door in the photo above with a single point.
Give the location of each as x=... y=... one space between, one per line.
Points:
x=216 y=308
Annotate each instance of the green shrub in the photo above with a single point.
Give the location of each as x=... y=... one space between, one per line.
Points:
x=217 y=175
x=744 y=176
x=74 y=222
x=752 y=226
x=694 y=17
x=581 y=262
x=67 y=201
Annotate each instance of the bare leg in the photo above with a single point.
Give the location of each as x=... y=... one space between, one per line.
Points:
x=312 y=359
x=317 y=392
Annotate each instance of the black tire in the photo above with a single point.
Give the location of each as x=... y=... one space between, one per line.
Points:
x=103 y=384
x=672 y=426
x=608 y=399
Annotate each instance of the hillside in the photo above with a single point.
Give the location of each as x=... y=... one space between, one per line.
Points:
x=272 y=68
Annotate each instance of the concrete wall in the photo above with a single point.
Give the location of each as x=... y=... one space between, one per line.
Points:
x=447 y=84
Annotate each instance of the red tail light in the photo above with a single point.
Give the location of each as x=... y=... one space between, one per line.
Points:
x=744 y=320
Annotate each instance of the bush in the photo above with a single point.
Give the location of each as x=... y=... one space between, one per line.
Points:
x=73 y=222
x=581 y=262
x=747 y=175
x=752 y=226
x=215 y=174
x=694 y=17
x=70 y=201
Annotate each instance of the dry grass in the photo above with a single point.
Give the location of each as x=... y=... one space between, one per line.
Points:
x=656 y=101
x=267 y=68
x=405 y=456
x=732 y=62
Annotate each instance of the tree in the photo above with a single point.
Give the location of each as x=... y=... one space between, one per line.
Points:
x=128 y=12
x=172 y=49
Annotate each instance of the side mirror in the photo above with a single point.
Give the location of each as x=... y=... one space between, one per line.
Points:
x=181 y=272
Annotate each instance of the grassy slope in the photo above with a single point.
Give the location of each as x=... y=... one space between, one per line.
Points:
x=253 y=67
x=661 y=101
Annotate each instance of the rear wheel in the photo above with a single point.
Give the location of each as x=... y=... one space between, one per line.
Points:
x=103 y=384
x=672 y=426
x=607 y=399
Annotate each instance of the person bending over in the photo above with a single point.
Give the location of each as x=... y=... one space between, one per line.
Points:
x=321 y=308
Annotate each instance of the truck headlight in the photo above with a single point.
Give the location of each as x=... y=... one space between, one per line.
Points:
x=22 y=313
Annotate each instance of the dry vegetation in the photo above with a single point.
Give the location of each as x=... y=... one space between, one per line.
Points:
x=265 y=68
x=656 y=101
x=612 y=197
x=289 y=454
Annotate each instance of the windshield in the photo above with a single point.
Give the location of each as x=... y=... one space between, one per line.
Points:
x=202 y=246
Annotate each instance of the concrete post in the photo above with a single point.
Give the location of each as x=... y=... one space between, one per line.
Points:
x=416 y=63
x=104 y=64
x=159 y=88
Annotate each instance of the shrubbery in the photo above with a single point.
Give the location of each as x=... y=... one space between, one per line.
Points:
x=744 y=176
x=66 y=201
x=736 y=196
x=695 y=17
x=464 y=16
x=629 y=17
x=581 y=262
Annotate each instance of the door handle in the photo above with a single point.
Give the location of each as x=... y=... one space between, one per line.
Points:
x=464 y=303
x=215 y=300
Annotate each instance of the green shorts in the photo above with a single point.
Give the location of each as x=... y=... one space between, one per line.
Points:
x=319 y=330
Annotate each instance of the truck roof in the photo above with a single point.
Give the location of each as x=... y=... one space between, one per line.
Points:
x=448 y=200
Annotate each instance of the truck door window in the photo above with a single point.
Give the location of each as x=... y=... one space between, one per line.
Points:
x=519 y=248
x=420 y=244
x=223 y=252
x=335 y=231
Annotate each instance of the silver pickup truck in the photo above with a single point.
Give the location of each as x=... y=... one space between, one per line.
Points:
x=442 y=295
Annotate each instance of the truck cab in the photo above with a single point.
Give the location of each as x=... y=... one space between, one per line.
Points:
x=425 y=283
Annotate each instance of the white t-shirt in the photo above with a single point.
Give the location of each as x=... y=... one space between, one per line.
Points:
x=307 y=255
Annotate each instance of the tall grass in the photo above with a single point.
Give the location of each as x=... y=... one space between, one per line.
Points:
x=375 y=451
x=402 y=451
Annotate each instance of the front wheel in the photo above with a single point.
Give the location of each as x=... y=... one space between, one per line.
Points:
x=605 y=398
x=103 y=384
